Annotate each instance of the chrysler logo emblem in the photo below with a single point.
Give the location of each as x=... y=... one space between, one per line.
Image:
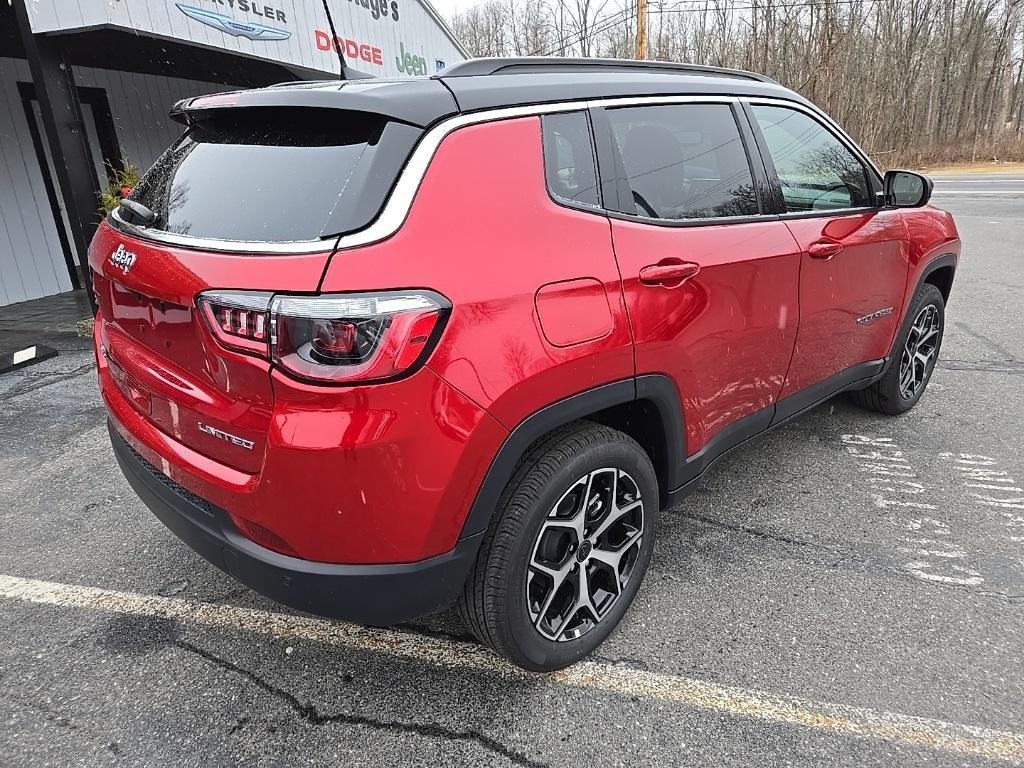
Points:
x=248 y=29
x=122 y=258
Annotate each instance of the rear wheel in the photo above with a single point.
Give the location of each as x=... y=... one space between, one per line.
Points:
x=915 y=355
x=568 y=549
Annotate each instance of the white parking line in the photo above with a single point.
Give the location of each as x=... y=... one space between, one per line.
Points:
x=787 y=710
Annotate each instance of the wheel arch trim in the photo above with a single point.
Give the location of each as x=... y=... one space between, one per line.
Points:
x=946 y=260
x=939 y=262
x=658 y=389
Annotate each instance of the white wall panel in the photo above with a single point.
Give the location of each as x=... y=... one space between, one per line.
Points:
x=31 y=256
x=369 y=24
x=139 y=105
x=31 y=259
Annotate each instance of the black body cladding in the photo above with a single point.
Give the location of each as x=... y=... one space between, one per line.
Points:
x=367 y=594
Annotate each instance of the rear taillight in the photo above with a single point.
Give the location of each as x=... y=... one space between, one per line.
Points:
x=238 y=318
x=343 y=338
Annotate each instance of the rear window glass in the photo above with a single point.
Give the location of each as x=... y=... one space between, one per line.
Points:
x=271 y=175
x=684 y=161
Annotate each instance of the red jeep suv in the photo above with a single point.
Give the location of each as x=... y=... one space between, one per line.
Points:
x=378 y=346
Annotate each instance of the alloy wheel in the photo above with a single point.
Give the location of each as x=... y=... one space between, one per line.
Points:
x=919 y=351
x=584 y=554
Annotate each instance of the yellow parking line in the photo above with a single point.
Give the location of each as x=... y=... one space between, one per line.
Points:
x=837 y=718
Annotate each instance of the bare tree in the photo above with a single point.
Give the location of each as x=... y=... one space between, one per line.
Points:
x=915 y=81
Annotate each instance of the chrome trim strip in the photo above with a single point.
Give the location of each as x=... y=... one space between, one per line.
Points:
x=639 y=101
x=211 y=244
x=398 y=204
x=397 y=207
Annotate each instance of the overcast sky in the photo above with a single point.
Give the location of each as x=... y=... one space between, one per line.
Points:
x=449 y=8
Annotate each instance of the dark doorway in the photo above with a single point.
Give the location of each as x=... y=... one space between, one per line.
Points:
x=100 y=137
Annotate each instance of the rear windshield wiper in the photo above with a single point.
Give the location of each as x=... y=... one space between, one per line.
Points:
x=137 y=212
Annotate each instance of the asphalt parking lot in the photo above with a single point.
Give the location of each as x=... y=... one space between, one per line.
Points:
x=847 y=591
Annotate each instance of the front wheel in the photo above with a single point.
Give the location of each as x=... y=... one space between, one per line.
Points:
x=564 y=558
x=914 y=357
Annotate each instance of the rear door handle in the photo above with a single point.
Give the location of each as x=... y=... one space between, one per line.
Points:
x=670 y=275
x=824 y=249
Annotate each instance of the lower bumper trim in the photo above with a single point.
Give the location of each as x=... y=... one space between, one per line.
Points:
x=365 y=594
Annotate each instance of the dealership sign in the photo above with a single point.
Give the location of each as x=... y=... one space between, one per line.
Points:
x=378 y=37
x=409 y=63
x=223 y=22
x=352 y=50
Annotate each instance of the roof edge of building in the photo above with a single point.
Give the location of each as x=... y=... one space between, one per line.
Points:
x=443 y=24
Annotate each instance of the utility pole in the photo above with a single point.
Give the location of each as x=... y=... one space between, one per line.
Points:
x=641 y=29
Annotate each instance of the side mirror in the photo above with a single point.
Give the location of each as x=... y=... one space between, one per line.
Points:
x=906 y=189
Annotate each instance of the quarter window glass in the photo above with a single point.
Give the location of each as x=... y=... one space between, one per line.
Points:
x=569 y=159
x=816 y=170
x=684 y=161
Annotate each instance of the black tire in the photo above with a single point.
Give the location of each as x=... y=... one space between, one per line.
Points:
x=887 y=395
x=494 y=602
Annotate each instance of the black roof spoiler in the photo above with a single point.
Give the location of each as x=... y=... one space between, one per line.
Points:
x=541 y=64
x=417 y=103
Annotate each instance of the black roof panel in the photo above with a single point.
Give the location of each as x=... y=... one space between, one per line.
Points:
x=476 y=92
x=480 y=84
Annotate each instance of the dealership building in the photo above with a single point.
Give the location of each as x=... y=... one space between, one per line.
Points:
x=85 y=87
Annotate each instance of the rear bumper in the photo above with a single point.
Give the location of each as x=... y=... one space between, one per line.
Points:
x=367 y=475
x=366 y=594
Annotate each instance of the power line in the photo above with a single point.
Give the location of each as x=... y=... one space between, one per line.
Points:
x=768 y=6
x=607 y=23
x=697 y=6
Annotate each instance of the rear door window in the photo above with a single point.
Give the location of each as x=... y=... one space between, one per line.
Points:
x=684 y=161
x=274 y=175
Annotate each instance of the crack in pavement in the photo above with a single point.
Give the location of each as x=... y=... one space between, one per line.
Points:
x=46 y=380
x=757 y=532
x=48 y=714
x=991 y=344
x=310 y=714
x=239 y=725
x=847 y=557
x=988 y=366
x=154 y=621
